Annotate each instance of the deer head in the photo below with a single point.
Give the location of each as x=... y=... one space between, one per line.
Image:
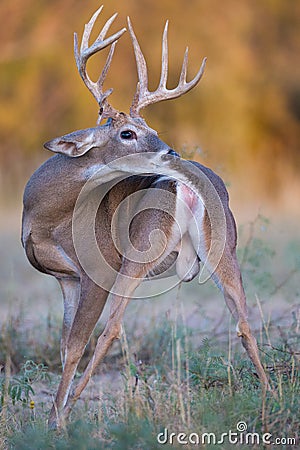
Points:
x=122 y=134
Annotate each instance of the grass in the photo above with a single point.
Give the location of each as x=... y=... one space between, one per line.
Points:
x=181 y=370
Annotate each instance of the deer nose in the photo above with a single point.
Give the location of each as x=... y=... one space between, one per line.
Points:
x=173 y=153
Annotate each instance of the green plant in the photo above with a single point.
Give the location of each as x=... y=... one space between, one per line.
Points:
x=19 y=387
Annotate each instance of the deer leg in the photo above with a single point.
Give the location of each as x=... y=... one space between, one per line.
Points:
x=91 y=304
x=112 y=330
x=52 y=259
x=228 y=278
x=71 y=293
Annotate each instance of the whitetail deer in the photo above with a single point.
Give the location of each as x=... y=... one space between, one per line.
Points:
x=188 y=222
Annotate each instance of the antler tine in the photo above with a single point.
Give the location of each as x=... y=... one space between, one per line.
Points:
x=88 y=29
x=87 y=51
x=106 y=27
x=164 y=58
x=142 y=87
x=183 y=73
x=187 y=86
x=143 y=97
x=106 y=67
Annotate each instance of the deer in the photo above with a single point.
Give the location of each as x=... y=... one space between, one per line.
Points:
x=116 y=206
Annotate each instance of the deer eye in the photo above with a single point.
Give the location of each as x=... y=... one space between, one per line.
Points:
x=128 y=134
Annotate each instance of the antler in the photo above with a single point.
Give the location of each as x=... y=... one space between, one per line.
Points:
x=143 y=97
x=96 y=88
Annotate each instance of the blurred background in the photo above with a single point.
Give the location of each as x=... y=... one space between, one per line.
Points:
x=242 y=120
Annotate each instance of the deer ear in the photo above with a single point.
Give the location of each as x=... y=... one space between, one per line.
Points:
x=77 y=143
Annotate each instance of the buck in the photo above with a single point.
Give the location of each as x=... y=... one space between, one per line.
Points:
x=188 y=222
